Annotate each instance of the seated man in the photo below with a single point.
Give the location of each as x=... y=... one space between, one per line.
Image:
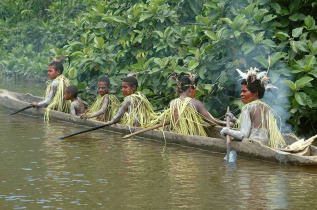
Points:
x=106 y=105
x=257 y=120
x=77 y=106
x=135 y=110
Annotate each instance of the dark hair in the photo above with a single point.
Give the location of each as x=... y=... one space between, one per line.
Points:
x=255 y=86
x=132 y=81
x=73 y=90
x=58 y=66
x=104 y=79
x=185 y=83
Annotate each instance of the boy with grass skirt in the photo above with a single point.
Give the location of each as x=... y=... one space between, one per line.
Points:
x=135 y=110
x=54 y=94
x=77 y=106
x=106 y=105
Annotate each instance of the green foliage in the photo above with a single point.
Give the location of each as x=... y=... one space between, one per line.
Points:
x=155 y=38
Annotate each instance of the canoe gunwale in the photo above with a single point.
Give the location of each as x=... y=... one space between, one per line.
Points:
x=253 y=149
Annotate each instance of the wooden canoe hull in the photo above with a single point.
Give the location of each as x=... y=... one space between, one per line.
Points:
x=16 y=101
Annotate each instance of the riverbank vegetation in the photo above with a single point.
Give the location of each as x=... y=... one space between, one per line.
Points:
x=156 y=38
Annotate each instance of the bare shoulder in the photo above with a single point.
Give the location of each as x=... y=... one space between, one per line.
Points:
x=197 y=103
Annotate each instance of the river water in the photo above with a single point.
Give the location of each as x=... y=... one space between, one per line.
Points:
x=100 y=170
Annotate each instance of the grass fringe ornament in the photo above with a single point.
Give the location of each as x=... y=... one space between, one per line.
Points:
x=275 y=139
x=57 y=102
x=188 y=121
x=112 y=108
x=140 y=111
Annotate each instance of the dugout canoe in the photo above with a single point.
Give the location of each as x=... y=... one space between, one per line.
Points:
x=15 y=101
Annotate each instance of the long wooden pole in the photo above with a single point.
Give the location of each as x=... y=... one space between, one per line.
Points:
x=228 y=136
x=85 y=131
x=146 y=129
x=21 y=110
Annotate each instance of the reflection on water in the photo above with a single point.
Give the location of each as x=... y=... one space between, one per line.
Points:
x=102 y=170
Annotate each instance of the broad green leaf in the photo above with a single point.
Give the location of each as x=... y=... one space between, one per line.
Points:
x=159 y=33
x=137 y=66
x=208 y=87
x=72 y=73
x=268 y=42
x=227 y=20
x=281 y=35
x=211 y=35
x=290 y=84
x=276 y=56
x=262 y=61
x=300 y=97
x=297 y=16
x=117 y=19
x=309 y=22
x=276 y=7
x=144 y=17
x=268 y=18
x=302 y=82
x=247 y=47
x=301 y=45
x=259 y=37
x=99 y=42
x=297 y=32
x=313 y=72
x=192 y=65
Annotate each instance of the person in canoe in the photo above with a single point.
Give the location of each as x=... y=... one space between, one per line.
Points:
x=106 y=105
x=187 y=115
x=54 y=94
x=77 y=106
x=257 y=120
x=135 y=110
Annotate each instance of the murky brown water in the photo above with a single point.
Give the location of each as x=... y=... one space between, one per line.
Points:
x=101 y=170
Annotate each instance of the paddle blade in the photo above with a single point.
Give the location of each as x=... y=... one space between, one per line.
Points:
x=232 y=157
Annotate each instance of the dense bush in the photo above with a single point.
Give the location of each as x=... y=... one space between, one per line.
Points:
x=155 y=38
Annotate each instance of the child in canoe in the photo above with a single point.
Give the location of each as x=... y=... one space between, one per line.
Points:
x=186 y=114
x=77 y=106
x=106 y=105
x=54 y=96
x=135 y=110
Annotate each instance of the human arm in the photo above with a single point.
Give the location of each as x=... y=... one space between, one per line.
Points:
x=72 y=108
x=102 y=110
x=203 y=111
x=123 y=109
x=49 y=97
x=233 y=119
x=245 y=128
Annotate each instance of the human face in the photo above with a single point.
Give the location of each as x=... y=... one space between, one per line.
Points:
x=247 y=96
x=127 y=89
x=52 y=73
x=67 y=95
x=102 y=88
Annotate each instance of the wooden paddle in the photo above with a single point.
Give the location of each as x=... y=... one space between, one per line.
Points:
x=146 y=129
x=231 y=156
x=86 y=130
x=21 y=110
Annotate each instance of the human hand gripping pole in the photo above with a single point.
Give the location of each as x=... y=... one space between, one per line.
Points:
x=231 y=156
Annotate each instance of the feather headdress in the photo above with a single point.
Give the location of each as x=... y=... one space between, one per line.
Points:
x=255 y=74
x=131 y=74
